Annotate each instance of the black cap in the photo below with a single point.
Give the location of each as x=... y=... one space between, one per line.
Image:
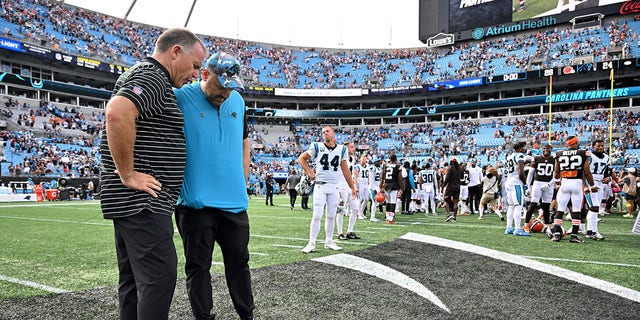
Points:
x=519 y=145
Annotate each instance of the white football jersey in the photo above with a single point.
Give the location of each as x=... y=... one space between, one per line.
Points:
x=327 y=161
x=429 y=178
x=363 y=174
x=374 y=177
x=598 y=166
x=512 y=164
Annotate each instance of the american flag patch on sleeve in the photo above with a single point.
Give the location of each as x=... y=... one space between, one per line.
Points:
x=137 y=90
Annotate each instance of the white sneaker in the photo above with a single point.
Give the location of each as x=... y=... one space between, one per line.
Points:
x=310 y=247
x=361 y=217
x=332 y=245
x=374 y=219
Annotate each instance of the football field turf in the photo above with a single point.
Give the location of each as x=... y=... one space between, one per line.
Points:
x=421 y=267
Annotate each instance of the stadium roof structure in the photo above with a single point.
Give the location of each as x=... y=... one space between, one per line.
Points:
x=355 y=24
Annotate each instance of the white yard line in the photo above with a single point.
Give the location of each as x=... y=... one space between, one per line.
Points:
x=51 y=203
x=383 y=272
x=606 y=286
x=32 y=284
x=59 y=221
x=584 y=261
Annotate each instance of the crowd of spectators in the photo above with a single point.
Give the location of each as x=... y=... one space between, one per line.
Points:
x=31 y=155
x=50 y=152
x=109 y=38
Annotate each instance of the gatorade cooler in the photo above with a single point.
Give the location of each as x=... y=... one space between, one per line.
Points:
x=52 y=194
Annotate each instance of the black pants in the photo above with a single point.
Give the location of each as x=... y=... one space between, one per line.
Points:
x=147 y=265
x=200 y=229
x=304 y=201
x=268 y=200
x=405 y=200
x=475 y=193
x=293 y=194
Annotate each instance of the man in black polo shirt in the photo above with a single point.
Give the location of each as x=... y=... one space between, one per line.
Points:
x=143 y=158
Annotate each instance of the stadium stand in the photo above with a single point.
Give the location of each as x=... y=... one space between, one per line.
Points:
x=63 y=27
x=35 y=121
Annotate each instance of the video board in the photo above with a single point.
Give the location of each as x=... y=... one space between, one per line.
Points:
x=470 y=14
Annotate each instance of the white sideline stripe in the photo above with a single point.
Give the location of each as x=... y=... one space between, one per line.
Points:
x=258 y=254
x=32 y=284
x=584 y=261
x=47 y=204
x=383 y=272
x=287 y=246
x=307 y=240
x=55 y=220
x=532 y=264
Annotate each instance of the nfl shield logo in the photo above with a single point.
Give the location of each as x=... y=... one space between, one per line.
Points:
x=137 y=90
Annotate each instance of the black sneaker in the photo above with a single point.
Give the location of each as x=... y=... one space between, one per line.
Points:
x=575 y=239
x=342 y=237
x=449 y=218
x=352 y=235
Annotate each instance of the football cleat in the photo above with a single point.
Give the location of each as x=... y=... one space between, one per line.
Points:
x=341 y=237
x=373 y=219
x=522 y=233
x=332 y=245
x=549 y=232
x=310 y=247
x=508 y=231
x=449 y=218
x=352 y=235
x=391 y=222
x=575 y=239
x=598 y=236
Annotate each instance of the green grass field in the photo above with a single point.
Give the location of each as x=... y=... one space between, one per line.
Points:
x=68 y=245
x=533 y=8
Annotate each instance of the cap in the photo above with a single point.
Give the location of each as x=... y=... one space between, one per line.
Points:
x=632 y=170
x=226 y=67
x=519 y=145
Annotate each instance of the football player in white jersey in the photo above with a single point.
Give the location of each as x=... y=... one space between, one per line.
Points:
x=363 y=185
x=330 y=167
x=374 y=188
x=429 y=189
x=502 y=171
x=464 y=189
x=352 y=206
x=597 y=201
x=514 y=188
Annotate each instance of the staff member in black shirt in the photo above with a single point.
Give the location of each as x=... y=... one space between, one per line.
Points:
x=143 y=158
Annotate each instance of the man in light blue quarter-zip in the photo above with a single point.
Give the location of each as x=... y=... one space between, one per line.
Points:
x=213 y=201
